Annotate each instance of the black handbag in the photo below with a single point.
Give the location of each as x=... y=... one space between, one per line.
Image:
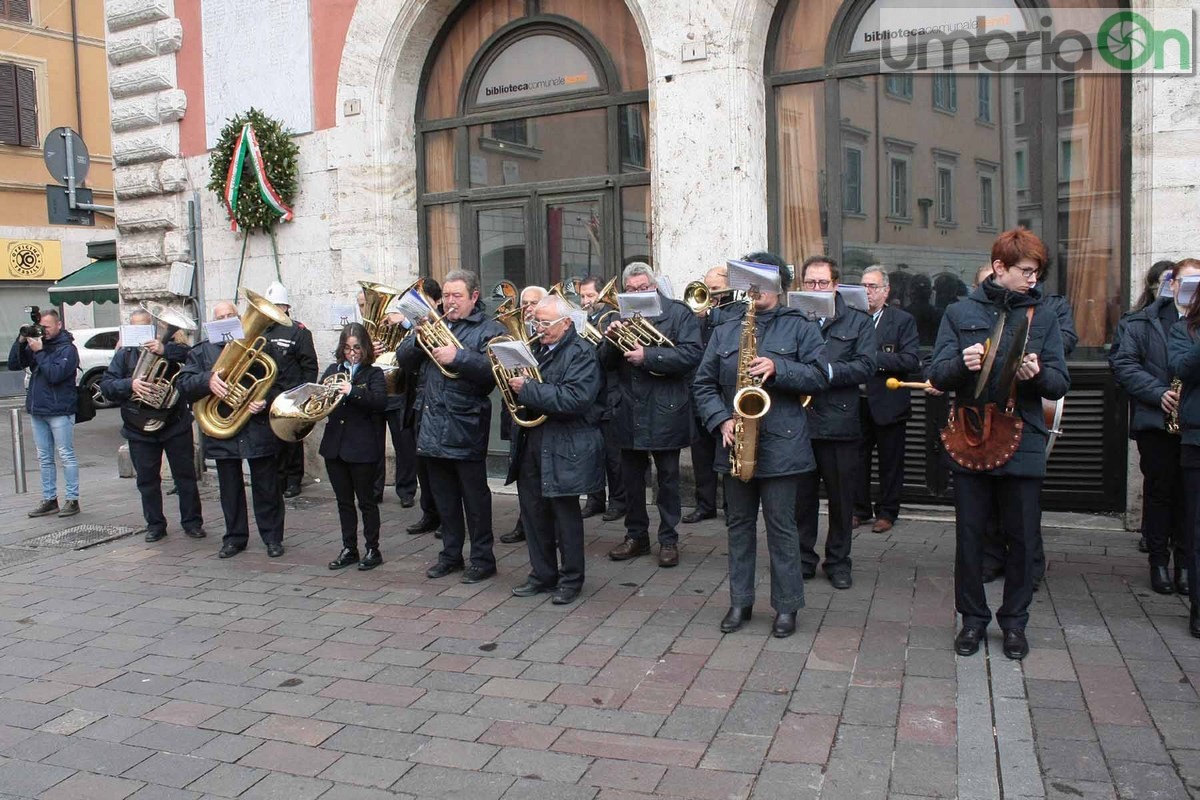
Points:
x=85 y=404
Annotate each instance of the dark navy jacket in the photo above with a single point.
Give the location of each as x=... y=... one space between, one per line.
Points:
x=456 y=413
x=795 y=346
x=117 y=385
x=1140 y=362
x=255 y=439
x=571 y=394
x=655 y=411
x=51 y=390
x=1066 y=319
x=970 y=321
x=897 y=356
x=356 y=429
x=1183 y=359
x=850 y=350
x=612 y=388
x=297 y=360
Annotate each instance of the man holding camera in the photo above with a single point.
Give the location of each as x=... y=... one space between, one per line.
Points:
x=48 y=351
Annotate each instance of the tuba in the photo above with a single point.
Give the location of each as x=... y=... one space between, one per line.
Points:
x=248 y=371
x=297 y=411
x=376 y=299
x=146 y=413
x=512 y=317
x=750 y=402
x=502 y=374
x=569 y=287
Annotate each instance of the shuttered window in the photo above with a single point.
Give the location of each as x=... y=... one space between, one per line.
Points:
x=15 y=10
x=18 y=105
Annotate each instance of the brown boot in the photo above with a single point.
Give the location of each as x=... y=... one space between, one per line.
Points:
x=628 y=549
x=668 y=555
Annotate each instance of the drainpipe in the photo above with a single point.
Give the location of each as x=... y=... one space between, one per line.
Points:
x=75 y=49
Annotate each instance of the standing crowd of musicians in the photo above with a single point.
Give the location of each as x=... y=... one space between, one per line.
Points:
x=606 y=408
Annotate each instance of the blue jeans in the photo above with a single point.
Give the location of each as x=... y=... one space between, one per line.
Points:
x=56 y=433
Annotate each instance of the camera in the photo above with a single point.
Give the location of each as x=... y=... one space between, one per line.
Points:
x=34 y=331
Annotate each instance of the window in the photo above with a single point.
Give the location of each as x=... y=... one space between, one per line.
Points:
x=1018 y=106
x=1072 y=156
x=103 y=341
x=987 y=203
x=18 y=106
x=632 y=135
x=513 y=131
x=1067 y=97
x=900 y=86
x=852 y=180
x=15 y=10
x=945 y=195
x=945 y=93
x=985 y=98
x=1021 y=168
x=898 y=177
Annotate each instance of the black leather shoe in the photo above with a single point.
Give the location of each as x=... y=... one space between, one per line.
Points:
x=1182 y=580
x=474 y=574
x=592 y=509
x=441 y=569
x=1160 y=580
x=196 y=533
x=371 y=560
x=1142 y=546
x=1016 y=646
x=407 y=502
x=530 y=588
x=613 y=513
x=513 y=536
x=808 y=573
x=564 y=596
x=229 y=551
x=155 y=536
x=968 y=640
x=344 y=559
x=735 y=618
x=274 y=550
x=841 y=580
x=292 y=491
x=697 y=516
x=426 y=524
x=784 y=625
x=1194 y=622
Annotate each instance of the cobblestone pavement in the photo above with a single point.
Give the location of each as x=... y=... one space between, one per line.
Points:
x=161 y=672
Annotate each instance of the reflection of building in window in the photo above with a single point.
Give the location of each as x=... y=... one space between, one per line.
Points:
x=1021 y=169
x=987 y=213
x=945 y=93
x=513 y=131
x=899 y=86
x=985 y=98
x=945 y=195
x=1072 y=155
x=1067 y=98
x=852 y=180
x=1018 y=106
x=633 y=137
x=899 y=187
x=18 y=106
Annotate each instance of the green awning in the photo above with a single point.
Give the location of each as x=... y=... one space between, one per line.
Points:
x=95 y=283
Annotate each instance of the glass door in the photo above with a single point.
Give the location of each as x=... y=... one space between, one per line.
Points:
x=575 y=237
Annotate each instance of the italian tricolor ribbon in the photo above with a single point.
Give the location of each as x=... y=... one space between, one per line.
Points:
x=247 y=145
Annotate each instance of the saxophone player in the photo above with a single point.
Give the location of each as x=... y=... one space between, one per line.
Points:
x=171 y=435
x=255 y=443
x=791 y=365
x=555 y=462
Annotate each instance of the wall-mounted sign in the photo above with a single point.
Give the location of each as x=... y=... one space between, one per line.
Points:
x=903 y=23
x=31 y=259
x=541 y=65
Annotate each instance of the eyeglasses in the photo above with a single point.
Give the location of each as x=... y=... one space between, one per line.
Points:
x=1028 y=272
x=817 y=284
x=354 y=348
x=872 y=287
x=544 y=324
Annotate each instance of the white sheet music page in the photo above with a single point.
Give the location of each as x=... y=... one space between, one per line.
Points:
x=224 y=330
x=413 y=307
x=1187 y=290
x=815 y=305
x=647 y=304
x=513 y=355
x=136 y=335
x=855 y=296
x=746 y=275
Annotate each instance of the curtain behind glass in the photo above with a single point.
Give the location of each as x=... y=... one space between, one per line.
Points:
x=799 y=111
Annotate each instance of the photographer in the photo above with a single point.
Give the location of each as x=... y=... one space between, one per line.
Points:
x=48 y=351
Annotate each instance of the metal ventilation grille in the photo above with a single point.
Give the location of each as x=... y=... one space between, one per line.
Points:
x=80 y=537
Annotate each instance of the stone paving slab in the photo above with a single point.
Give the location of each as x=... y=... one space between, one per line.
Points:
x=158 y=671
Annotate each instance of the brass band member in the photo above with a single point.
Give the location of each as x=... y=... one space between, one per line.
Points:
x=256 y=443
x=404 y=440
x=456 y=416
x=884 y=412
x=614 y=507
x=563 y=457
x=835 y=427
x=529 y=299
x=794 y=365
x=654 y=418
x=429 y=521
x=146 y=448
x=297 y=364
x=353 y=442
x=704 y=444
x=958 y=356
x=1183 y=359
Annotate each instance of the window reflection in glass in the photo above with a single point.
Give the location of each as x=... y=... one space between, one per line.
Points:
x=635 y=141
x=573 y=239
x=439 y=161
x=501 y=246
x=635 y=224
x=803 y=215
x=538 y=149
x=444 y=239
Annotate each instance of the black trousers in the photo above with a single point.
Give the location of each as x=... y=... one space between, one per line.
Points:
x=1191 y=523
x=147 y=463
x=404 y=443
x=268 y=499
x=995 y=546
x=612 y=471
x=704 y=452
x=889 y=440
x=1162 y=492
x=352 y=481
x=458 y=487
x=634 y=464
x=428 y=507
x=553 y=525
x=1018 y=501
x=291 y=463
x=837 y=466
x=778 y=499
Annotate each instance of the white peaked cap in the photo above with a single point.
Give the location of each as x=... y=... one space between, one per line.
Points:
x=277 y=294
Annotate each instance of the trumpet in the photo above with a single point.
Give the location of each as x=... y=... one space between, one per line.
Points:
x=700 y=298
x=503 y=375
x=560 y=290
x=297 y=411
x=246 y=369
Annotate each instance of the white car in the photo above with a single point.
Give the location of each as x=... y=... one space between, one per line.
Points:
x=96 y=348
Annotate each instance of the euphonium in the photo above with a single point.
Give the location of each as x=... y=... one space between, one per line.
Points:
x=503 y=374
x=297 y=411
x=1173 y=417
x=590 y=331
x=750 y=402
x=434 y=332
x=157 y=371
x=245 y=368
x=512 y=317
x=376 y=299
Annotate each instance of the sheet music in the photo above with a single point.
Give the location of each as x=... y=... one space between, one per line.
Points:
x=745 y=275
x=413 y=307
x=579 y=318
x=648 y=304
x=342 y=314
x=855 y=297
x=224 y=330
x=1166 y=288
x=513 y=355
x=1187 y=290
x=664 y=285
x=814 y=304
x=136 y=335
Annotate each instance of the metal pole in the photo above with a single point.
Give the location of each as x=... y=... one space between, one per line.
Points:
x=18 y=450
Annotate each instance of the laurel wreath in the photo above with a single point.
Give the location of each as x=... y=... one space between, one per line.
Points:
x=279 y=153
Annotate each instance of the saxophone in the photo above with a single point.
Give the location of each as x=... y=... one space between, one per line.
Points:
x=750 y=402
x=1173 y=417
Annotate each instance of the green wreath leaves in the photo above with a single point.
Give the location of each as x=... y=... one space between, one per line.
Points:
x=279 y=155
